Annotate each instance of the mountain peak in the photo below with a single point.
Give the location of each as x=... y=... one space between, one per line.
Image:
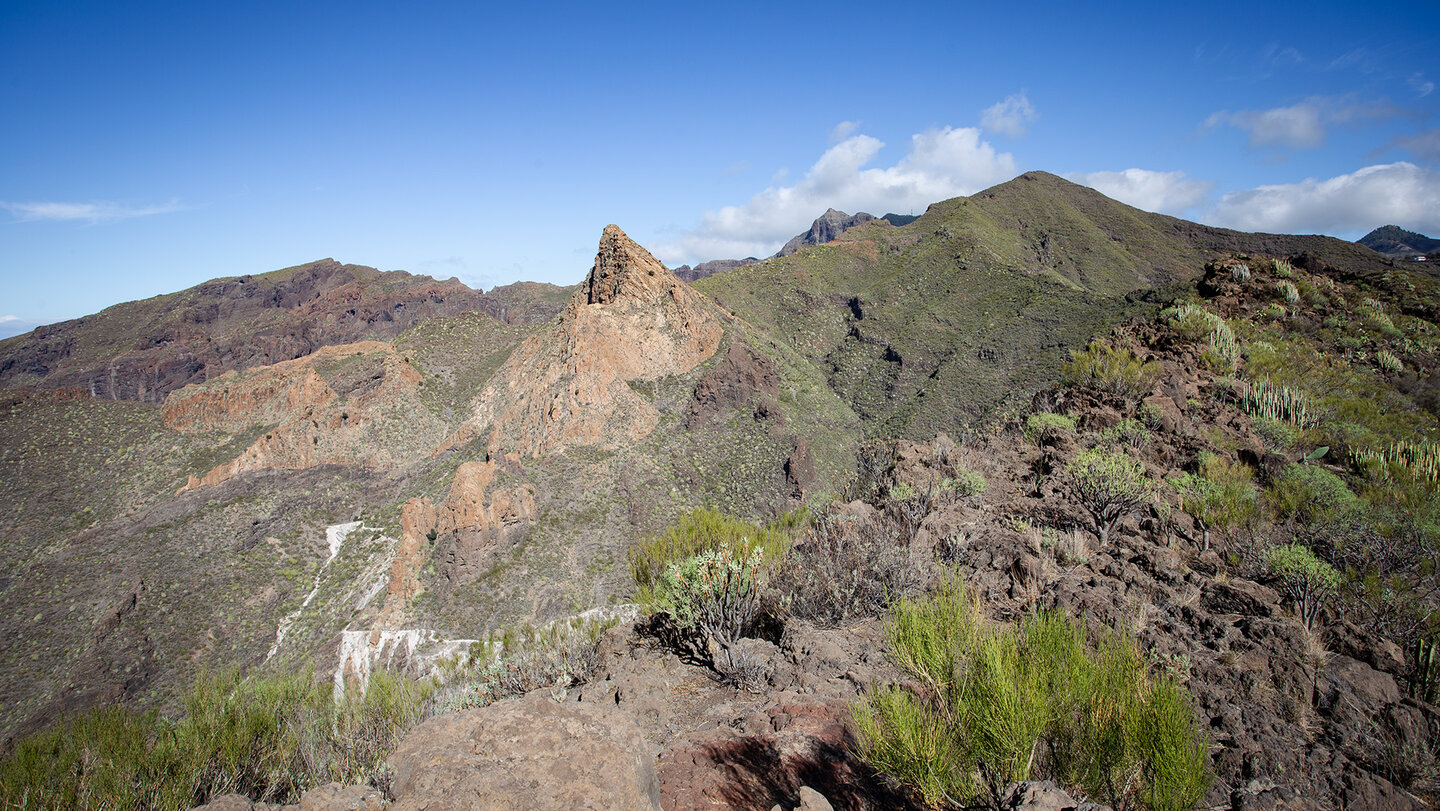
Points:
x=624 y=270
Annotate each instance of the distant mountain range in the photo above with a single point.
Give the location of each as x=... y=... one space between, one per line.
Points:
x=1392 y=240
x=825 y=229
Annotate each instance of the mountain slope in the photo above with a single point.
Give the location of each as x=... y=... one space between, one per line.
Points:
x=1392 y=240
x=973 y=306
x=143 y=350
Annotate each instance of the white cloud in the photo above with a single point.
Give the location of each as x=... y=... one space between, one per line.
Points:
x=1400 y=193
x=1166 y=192
x=11 y=325
x=1422 y=86
x=90 y=212
x=1297 y=127
x=1303 y=125
x=1009 y=117
x=843 y=130
x=1425 y=145
x=940 y=164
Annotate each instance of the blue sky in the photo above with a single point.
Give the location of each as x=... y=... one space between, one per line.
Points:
x=148 y=147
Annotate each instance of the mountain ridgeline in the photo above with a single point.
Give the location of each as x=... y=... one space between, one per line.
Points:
x=333 y=467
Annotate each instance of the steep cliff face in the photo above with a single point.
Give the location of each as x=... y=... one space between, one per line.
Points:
x=354 y=405
x=631 y=322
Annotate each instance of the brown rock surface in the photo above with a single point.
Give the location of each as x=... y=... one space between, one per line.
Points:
x=632 y=321
x=532 y=753
x=337 y=405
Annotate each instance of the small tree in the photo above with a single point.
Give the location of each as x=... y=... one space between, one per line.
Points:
x=1109 y=485
x=1219 y=497
x=1309 y=581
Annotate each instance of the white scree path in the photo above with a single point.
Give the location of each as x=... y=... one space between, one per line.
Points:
x=421 y=650
x=335 y=536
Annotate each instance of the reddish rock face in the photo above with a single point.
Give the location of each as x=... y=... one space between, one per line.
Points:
x=314 y=424
x=632 y=321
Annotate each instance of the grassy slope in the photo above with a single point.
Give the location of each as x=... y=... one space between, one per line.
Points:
x=939 y=323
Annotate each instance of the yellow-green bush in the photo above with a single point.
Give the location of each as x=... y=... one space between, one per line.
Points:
x=1112 y=369
x=268 y=738
x=1048 y=699
x=703 y=530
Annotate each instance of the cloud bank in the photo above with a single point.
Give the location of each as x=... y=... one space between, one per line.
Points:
x=97 y=212
x=1164 y=192
x=940 y=164
x=1346 y=205
x=1301 y=126
x=1010 y=117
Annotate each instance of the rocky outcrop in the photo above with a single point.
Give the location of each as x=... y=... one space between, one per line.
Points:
x=418 y=528
x=476 y=522
x=825 y=229
x=334 y=406
x=631 y=322
x=533 y=753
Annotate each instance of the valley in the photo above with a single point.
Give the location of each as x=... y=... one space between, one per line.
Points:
x=336 y=471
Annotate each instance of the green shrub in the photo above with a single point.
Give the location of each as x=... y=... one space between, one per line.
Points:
x=1048 y=699
x=1277 y=434
x=1313 y=494
x=967 y=484
x=1109 y=485
x=712 y=599
x=268 y=738
x=1046 y=427
x=1130 y=432
x=1220 y=496
x=1281 y=268
x=699 y=531
x=1107 y=368
x=1309 y=581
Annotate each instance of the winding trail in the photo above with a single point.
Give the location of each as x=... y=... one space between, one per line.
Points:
x=335 y=535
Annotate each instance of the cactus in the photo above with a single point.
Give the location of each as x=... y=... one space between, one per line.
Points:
x=1425 y=673
x=1288 y=291
x=1388 y=362
x=1280 y=402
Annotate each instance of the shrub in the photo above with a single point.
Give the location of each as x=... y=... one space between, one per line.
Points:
x=1309 y=581
x=1388 y=362
x=1129 y=432
x=967 y=484
x=557 y=655
x=1276 y=433
x=1046 y=427
x=1107 y=368
x=700 y=531
x=268 y=738
x=1109 y=485
x=1266 y=400
x=1048 y=699
x=1288 y=291
x=712 y=599
x=843 y=569
x=1240 y=273
x=1313 y=494
x=1281 y=268
x=1220 y=496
